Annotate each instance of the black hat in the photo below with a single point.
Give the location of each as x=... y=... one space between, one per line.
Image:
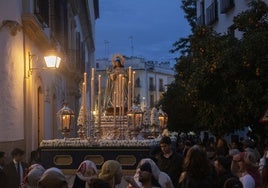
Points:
x=146 y=167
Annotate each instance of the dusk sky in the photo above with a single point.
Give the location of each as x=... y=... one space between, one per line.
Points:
x=143 y=28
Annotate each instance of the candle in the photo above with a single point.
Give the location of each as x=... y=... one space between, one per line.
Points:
x=114 y=108
x=84 y=103
x=85 y=94
x=129 y=74
x=129 y=95
x=133 y=86
x=92 y=92
x=99 y=83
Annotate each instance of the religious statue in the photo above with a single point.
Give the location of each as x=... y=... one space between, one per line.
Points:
x=116 y=90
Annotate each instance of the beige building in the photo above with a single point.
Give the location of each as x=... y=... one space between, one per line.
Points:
x=30 y=94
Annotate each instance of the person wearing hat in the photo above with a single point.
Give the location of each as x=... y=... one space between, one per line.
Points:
x=111 y=172
x=162 y=178
x=248 y=172
x=146 y=176
x=2 y=173
x=16 y=169
x=86 y=170
x=53 y=178
x=34 y=174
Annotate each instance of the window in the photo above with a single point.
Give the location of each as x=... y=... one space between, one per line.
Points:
x=151 y=84
x=226 y=5
x=161 y=85
x=151 y=101
x=138 y=82
x=212 y=13
x=41 y=10
x=201 y=18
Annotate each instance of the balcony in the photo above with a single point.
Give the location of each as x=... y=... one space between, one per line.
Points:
x=226 y=5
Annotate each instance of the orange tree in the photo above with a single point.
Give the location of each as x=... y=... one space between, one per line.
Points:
x=221 y=82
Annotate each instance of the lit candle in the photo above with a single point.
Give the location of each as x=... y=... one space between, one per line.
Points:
x=129 y=74
x=99 y=83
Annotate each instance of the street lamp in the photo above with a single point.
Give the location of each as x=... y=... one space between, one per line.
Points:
x=66 y=117
x=51 y=58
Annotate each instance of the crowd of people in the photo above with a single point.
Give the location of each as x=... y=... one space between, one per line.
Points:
x=189 y=163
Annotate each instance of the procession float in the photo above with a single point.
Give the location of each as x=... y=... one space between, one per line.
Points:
x=114 y=126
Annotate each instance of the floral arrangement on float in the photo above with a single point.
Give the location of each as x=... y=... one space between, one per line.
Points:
x=77 y=142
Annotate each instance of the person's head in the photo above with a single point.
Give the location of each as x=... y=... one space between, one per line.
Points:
x=222 y=164
x=52 y=178
x=117 y=63
x=98 y=183
x=111 y=171
x=165 y=144
x=196 y=162
x=34 y=174
x=17 y=154
x=35 y=157
x=245 y=160
x=155 y=169
x=233 y=183
x=87 y=169
x=2 y=158
x=248 y=144
x=145 y=173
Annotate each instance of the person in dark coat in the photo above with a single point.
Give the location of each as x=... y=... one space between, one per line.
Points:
x=16 y=169
x=170 y=161
x=2 y=173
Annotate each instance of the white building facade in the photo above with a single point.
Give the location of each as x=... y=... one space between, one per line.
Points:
x=220 y=13
x=151 y=78
x=31 y=94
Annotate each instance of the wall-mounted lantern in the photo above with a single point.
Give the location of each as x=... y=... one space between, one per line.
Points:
x=51 y=58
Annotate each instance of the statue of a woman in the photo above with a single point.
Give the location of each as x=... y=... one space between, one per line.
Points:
x=116 y=86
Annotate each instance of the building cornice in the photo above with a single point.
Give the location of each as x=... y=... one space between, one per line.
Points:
x=33 y=28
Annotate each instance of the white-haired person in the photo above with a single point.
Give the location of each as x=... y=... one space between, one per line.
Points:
x=86 y=170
